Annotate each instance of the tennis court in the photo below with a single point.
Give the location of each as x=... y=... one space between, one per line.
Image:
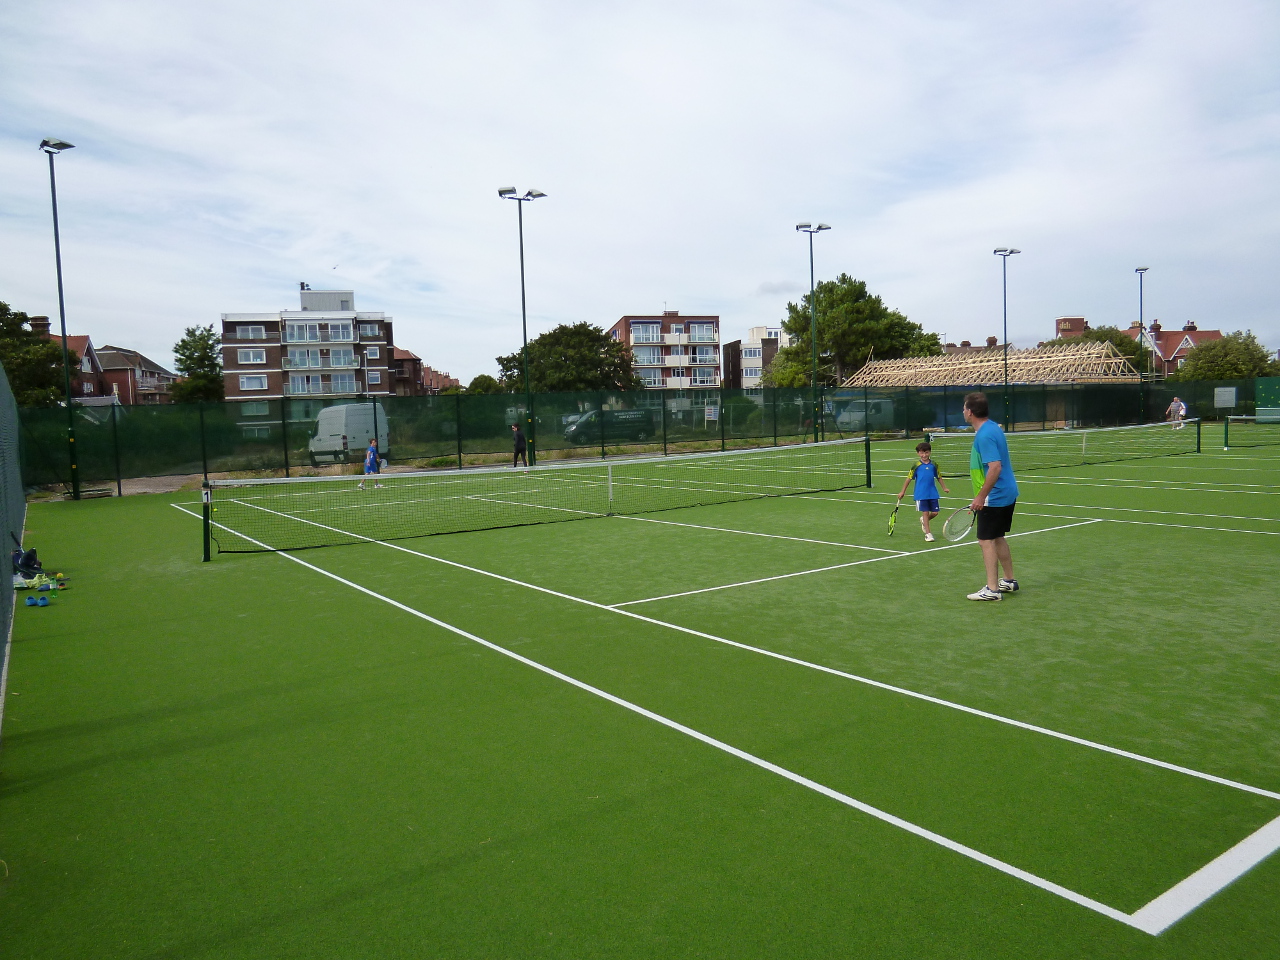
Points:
x=716 y=724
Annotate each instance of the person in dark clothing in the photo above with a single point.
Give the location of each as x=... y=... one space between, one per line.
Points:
x=522 y=446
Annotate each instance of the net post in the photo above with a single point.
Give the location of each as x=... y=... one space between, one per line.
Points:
x=115 y=446
x=458 y=424
x=1199 y=424
x=866 y=446
x=1226 y=433
x=721 y=417
x=204 y=452
x=609 y=472
x=774 y=391
x=206 y=495
x=603 y=451
x=284 y=430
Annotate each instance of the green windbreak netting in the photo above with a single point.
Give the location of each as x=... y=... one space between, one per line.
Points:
x=13 y=505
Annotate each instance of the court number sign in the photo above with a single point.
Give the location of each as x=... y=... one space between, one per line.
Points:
x=1224 y=397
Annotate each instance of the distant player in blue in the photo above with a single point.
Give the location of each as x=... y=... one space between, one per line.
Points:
x=995 y=494
x=926 y=476
x=372 y=462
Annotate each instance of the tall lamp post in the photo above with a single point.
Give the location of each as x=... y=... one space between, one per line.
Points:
x=510 y=193
x=1142 y=328
x=810 y=229
x=1004 y=253
x=52 y=147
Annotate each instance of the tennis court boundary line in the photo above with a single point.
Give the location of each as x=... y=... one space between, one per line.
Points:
x=796 y=661
x=1163 y=911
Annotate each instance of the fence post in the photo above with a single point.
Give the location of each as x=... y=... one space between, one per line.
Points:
x=721 y=417
x=284 y=431
x=774 y=391
x=115 y=444
x=600 y=419
x=378 y=466
x=1199 y=424
x=206 y=495
x=458 y=417
x=664 y=422
x=204 y=453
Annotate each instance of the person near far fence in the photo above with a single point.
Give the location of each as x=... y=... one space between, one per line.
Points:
x=995 y=494
x=372 y=462
x=522 y=446
x=1176 y=413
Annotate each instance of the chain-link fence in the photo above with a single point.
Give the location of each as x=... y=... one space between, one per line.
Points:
x=13 y=511
x=287 y=437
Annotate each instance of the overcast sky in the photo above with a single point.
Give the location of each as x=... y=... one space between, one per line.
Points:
x=226 y=151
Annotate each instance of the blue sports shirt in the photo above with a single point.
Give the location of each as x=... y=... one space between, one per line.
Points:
x=925 y=475
x=371 y=458
x=989 y=445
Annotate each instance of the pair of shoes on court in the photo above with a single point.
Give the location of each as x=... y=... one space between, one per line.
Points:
x=1002 y=586
x=928 y=538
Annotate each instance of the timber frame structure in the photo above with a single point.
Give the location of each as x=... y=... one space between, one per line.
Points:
x=1083 y=362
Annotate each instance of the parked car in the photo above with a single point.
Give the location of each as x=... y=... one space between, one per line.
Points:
x=635 y=425
x=343 y=433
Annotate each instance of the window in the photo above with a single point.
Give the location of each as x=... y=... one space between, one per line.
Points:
x=648 y=355
x=677 y=351
x=370 y=330
x=260 y=432
x=751 y=371
x=303 y=384
x=702 y=332
x=646 y=333
x=704 y=354
x=373 y=353
x=258 y=408
x=258 y=382
x=251 y=356
x=302 y=332
x=749 y=353
x=340 y=332
x=704 y=378
x=677 y=328
x=339 y=358
x=251 y=333
x=374 y=376
x=344 y=383
x=344 y=304
x=651 y=378
x=679 y=372
x=88 y=388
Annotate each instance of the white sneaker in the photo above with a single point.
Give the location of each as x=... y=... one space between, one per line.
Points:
x=1007 y=586
x=377 y=486
x=986 y=593
x=360 y=484
x=928 y=538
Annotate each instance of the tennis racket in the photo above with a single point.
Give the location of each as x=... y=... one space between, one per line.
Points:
x=959 y=524
x=893 y=518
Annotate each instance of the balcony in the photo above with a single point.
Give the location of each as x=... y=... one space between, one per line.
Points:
x=704 y=360
x=675 y=338
x=320 y=336
x=321 y=363
x=642 y=336
x=320 y=389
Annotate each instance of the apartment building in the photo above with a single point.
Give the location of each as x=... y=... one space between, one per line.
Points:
x=673 y=352
x=324 y=349
x=745 y=360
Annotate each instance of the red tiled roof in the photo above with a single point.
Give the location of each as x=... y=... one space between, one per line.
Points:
x=399 y=353
x=1170 y=344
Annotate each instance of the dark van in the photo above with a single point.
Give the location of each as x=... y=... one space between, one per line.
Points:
x=636 y=425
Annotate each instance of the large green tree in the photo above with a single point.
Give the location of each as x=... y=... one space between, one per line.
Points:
x=1237 y=356
x=198 y=357
x=579 y=356
x=484 y=384
x=852 y=325
x=1128 y=346
x=32 y=363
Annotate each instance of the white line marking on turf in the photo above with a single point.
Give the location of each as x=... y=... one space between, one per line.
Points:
x=1176 y=902
x=840 y=566
x=808 y=664
x=1163 y=910
x=1133 y=481
x=772 y=536
x=1112 y=486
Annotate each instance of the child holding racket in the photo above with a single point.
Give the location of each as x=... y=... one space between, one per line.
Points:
x=926 y=476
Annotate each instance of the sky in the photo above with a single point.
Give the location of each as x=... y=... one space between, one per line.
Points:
x=228 y=150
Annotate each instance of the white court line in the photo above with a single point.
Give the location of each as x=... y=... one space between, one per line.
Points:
x=840 y=566
x=1164 y=910
x=1112 y=486
x=772 y=536
x=1079 y=741
x=1133 y=481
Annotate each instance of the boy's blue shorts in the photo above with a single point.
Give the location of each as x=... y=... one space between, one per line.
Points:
x=370 y=468
x=927 y=506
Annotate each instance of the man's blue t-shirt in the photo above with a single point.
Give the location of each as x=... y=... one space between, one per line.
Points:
x=925 y=475
x=989 y=445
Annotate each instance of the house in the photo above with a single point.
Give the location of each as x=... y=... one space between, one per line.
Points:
x=746 y=360
x=965 y=347
x=135 y=378
x=324 y=349
x=87 y=379
x=435 y=381
x=671 y=351
x=413 y=378
x=1169 y=348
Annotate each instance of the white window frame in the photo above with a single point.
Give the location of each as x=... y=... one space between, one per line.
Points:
x=373 y=353
x=652 y=332
x=88 y=387
x=258 y=431
x=702 y=333
x=256 y=381
x=651 y=355
x=341 y=332
x=255 y=408
x=373 y=376
x=347 y=378
x=370 y=330
x=751 y=371
x=750 y=353
x=252 y=355
x=293 y=328
x=254 y=332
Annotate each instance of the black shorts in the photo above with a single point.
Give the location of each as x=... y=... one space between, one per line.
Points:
x=995 y=522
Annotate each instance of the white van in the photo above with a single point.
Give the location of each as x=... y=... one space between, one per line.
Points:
x=343 y=433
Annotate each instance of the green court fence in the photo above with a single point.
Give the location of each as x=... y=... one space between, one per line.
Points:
x=287 y=437
x=13 y=510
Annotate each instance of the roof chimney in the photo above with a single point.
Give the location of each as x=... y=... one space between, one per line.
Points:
x=671 y=313
x=1135 y=325
x=993 y=341
x=965 y=343
x=39 y=326
x=1154 y=326
x=1189 y=325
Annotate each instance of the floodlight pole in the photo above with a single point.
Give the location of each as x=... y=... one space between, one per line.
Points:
x=813 y=318
x=1142 y=328
x=53 y=147
x=1004 y=253
x=509 y=193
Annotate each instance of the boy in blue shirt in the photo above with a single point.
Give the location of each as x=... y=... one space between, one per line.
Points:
x=995 y=494
x=372 y=463
x=926 y=475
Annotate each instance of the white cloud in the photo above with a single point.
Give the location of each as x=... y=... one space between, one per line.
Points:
x=228 y=150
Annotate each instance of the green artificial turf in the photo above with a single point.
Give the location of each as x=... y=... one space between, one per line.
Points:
x=247 y=758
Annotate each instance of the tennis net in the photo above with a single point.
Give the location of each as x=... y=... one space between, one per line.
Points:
x=1072 y=448
x=1260 y=431
x=290 y=514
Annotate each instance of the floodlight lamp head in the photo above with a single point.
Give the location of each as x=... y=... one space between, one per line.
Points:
x=998 y=251
x=804 y=226
x=54 y=145
x=822 y=226
x=507 y=192
x=1141 y=269
x=533 y=195
x=1013 y=250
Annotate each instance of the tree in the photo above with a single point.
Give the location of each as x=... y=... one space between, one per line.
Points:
x=484 y=384
x=852 y=325
x=1128 y=346
x=198 y=357
x=32 y=363
x=1237 y=356
x=572 y=357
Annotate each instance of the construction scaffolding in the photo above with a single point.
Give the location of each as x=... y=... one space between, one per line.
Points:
x=1083 y=362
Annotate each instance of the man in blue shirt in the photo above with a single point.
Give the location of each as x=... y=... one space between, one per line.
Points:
x=995 y=493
